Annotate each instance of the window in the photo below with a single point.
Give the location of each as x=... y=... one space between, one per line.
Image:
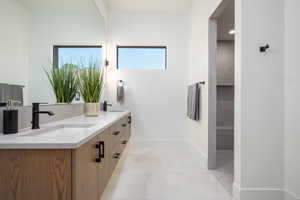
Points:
x=81 y=56
x=142 y=57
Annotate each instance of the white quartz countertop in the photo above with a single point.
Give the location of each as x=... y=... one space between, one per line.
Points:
x=69 y=133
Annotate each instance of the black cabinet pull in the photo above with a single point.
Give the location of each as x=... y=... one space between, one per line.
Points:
x=124 y=142
x=102 y=147
x=98 y=156
x=117 y=155
x=129 y=119
x=124 y=125
x=116 y=133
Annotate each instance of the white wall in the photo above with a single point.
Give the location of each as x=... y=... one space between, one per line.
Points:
x=102 y=6
x=58 y=28
x=157 y=98
x=14 y=40
x=292 y=99
x=198 y=68
x=259 y=99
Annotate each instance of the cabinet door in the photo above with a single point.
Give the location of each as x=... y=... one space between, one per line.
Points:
x=35 y=174
x=85 y=171
x=104 y=170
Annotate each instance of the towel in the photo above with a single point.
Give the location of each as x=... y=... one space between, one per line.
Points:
x=193 y=102
x=120 y=93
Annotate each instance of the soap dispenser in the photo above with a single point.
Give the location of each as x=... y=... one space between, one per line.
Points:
x=10 y=118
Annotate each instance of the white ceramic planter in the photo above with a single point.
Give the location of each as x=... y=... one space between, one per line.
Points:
x=92 y=109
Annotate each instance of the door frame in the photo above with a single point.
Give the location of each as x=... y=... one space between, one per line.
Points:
x=212 y=84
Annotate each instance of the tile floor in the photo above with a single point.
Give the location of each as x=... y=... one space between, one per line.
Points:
x=225 y=169
x=168 y=171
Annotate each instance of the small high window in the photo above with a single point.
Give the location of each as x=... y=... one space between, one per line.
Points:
x=80 y=56
x=142 y=57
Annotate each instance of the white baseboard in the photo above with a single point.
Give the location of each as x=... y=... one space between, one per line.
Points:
x=262 y=194
x=235 y=192
x=257 y=193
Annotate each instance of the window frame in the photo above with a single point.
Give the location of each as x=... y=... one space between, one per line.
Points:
x=143 y=47
x=56 y=48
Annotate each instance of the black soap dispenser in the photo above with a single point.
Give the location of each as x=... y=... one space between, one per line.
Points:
x=10 y=118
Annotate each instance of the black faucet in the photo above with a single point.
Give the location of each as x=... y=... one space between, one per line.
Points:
x=36 y=115
x=105 y=105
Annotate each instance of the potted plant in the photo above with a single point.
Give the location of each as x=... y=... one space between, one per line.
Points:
x=91 y=82
x=64 y=82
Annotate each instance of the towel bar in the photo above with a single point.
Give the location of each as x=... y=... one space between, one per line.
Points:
x=201 y=83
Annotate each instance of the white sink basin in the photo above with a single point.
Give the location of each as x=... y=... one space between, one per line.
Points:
x=66 y=129
x=116 y=111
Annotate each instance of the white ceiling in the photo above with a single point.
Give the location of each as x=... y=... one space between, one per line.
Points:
x=226 y=23
x=67 y=5
x=150 y=5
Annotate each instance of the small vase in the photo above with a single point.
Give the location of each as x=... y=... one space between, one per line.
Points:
x=92 y=109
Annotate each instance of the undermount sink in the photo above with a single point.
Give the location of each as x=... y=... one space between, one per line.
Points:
x=66 y=129
x=116 y=111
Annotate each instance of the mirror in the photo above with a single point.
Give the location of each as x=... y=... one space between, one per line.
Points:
x=37 y=35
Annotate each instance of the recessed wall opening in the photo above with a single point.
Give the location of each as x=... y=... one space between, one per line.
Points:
x=221 y=69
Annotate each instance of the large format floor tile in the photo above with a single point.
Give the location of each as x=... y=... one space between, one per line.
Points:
x=167 y=171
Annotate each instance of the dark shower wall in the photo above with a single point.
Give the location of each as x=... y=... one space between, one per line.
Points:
x=225 y=95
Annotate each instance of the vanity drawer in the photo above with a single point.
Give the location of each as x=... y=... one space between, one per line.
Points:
x=122 y=144
x=126 y=128
x=116 y=132
x=124 y=122
x=120 y=130
x=115 y=156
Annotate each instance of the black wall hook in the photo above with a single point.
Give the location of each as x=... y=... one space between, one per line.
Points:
x=264 y=48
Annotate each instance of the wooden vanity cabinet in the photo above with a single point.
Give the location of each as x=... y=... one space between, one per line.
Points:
x=58 y=174
x=87 y=171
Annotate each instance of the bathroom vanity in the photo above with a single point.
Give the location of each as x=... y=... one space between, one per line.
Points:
x=71 y=159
